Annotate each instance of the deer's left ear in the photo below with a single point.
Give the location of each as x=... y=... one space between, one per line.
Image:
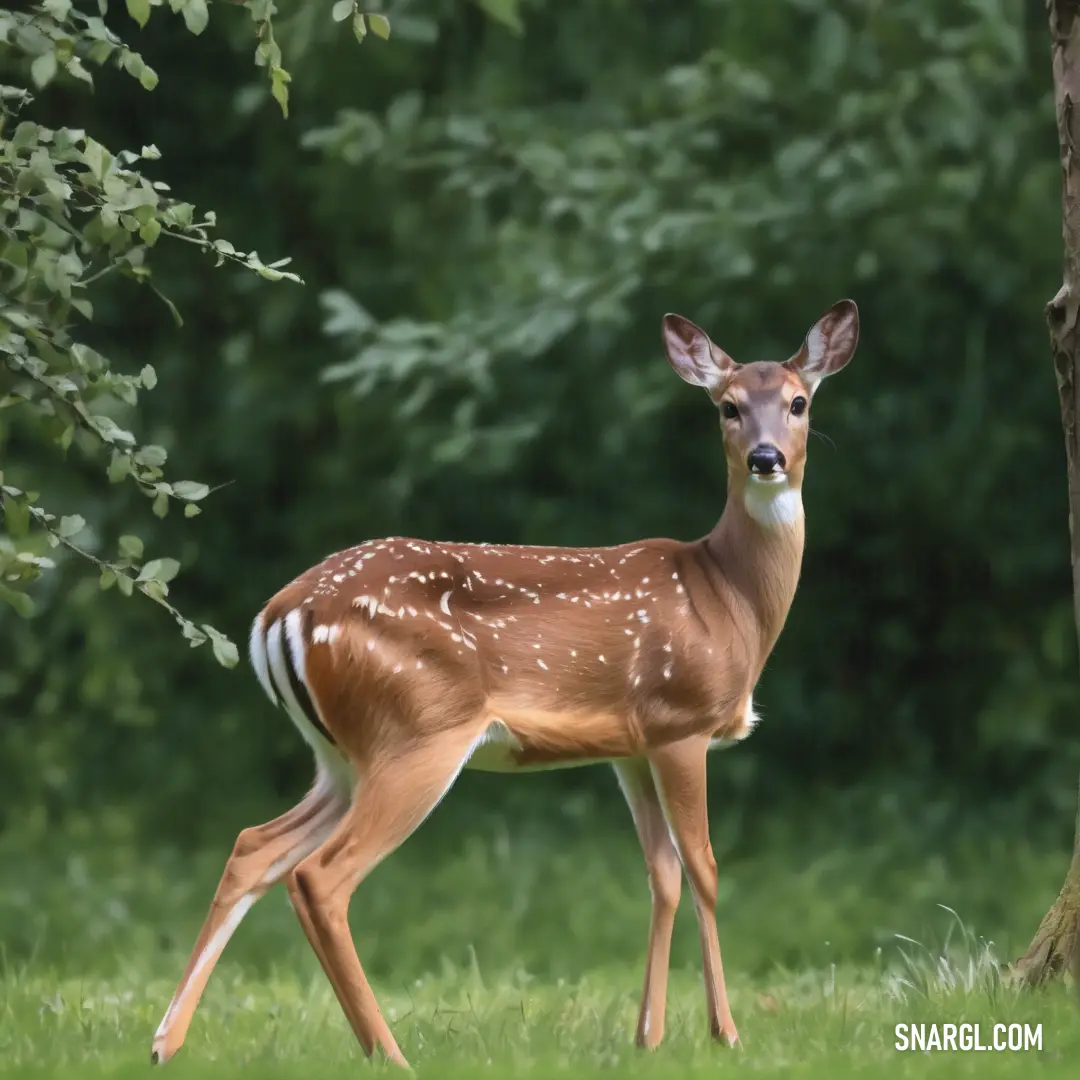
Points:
x=829 y=345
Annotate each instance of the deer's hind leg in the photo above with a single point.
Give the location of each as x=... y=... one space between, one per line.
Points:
x=665 y=885
x=394 y=795
x=262 y=856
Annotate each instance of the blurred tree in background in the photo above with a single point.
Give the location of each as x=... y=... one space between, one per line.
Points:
x=490 y=225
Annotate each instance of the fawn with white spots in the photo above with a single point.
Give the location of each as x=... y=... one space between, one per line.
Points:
x=403 y=662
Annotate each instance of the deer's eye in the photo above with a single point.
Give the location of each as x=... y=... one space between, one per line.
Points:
x=798 y=406
x=729 y=410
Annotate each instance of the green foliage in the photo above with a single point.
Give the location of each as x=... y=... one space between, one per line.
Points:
x=74 y=213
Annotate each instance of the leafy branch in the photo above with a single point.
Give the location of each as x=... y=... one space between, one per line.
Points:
x=73 y=213
x=151 y=578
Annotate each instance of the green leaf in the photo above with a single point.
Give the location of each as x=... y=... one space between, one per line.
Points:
x=148 y=377
x=131 y=547
x=504 y=11
x=119 y=467
x=191 y=490
x=342 y=10
x=156 y=590
x=96 y=158
x=109 y=430
x=43 y=69
x=345 y=316
x=71 y=525
x=25 y=135
x=148 y=77
x=191 y=510
x=161 y=504
x=107 y=579
x=151 y=455
x=380 y=26
x=139 y=10
x=224 y=650
x=279 y=88
x=359 y=26
x=196 y=15
x=125 y=584
x=191 y=632
x=181 y=215
x=150 y=231
x=159 y=570
x=22 y=603
x=16 y=517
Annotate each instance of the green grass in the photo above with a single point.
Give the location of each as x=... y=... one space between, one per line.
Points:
x=502 y=947
x=460 y=1023
x=838 y=1022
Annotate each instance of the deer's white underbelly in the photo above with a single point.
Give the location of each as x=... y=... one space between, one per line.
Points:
x=494 y=750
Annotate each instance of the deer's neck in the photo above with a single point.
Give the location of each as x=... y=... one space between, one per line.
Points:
x=755 y=554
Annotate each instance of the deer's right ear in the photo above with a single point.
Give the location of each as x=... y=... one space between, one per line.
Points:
x=694 y=357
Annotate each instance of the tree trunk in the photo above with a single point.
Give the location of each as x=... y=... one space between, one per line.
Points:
x=1056 y=946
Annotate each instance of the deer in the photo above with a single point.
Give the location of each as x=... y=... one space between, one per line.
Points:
x=403 y=662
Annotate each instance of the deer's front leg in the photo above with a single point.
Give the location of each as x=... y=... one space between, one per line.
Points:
x=679 y=773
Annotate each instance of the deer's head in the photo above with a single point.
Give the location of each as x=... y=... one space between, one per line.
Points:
x=764 y=406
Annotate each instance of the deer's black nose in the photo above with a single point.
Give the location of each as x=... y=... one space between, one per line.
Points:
x=764 y=459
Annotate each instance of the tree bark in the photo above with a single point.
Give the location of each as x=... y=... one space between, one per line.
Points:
x=1056 y=946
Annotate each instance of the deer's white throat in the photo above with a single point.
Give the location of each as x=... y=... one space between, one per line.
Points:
x=772 y=503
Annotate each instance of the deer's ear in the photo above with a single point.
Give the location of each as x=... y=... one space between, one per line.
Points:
x=829 y=345
x=694 y=357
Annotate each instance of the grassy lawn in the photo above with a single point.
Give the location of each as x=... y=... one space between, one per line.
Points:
x=514 y=948
x=460 y=1023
